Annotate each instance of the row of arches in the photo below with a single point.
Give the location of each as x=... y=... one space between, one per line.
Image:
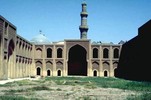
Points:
x=49 y=64
x=105 y=73
x=59 y=53
x=49 y=72
x=105 y=53
x=49 y=54
x=23 y=48
x=105 y=65
x=59 y=72
x=78 y=64
x=95 y=73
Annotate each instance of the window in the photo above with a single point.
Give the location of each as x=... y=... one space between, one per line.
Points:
x=49 y=53
x=116 y=53
x=59 y=53
x=105 y=53
x=95 y=53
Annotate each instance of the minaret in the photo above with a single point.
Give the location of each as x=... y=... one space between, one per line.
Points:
x=83 y=27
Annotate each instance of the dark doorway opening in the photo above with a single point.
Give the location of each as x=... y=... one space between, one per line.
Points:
x=59 y=72
x=11 y=48
x=105 y=73
x=38 y=71
x=95 y=73
x=48 y=72
x=77 y=64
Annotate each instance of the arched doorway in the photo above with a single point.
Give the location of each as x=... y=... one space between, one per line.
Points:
x=94 y=73
x=105 y=73
x=38 y=71
x=77 y=64
x=11 y=48
x=48 y=72
x=59 y=72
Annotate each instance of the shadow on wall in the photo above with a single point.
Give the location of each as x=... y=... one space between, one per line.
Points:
x=135 y=57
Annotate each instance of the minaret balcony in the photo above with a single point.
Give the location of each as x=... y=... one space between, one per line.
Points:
x=84 y=14
x=83 y=27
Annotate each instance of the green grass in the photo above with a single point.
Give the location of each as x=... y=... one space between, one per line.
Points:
x=103 y=82
x=94 y=82
x=87 y=82
x=14 y=97
x=144 y=96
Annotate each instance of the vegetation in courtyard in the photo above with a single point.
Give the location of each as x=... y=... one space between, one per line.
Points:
x=26 y=89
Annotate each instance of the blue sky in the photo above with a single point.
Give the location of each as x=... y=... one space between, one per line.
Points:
x=108 y=20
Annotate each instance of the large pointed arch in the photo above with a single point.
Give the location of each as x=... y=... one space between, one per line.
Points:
x=11 y=47
x=77 y=64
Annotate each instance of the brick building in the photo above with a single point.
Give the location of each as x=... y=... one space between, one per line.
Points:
x=22 y=58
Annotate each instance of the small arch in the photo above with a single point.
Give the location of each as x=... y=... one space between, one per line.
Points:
x=95 y=53
x=115 y=64
x=106 y=66
x=49 y=65
x=38 y=53
x=116 y=53
x=59 y=73
x=59 y=53
x=38 y=71
x=48 y=72
x=105 y=53
x=38 y=63
x=105 y=73
x=95 y=73
x=95 y=65
x=59 y=65
x=49 y=53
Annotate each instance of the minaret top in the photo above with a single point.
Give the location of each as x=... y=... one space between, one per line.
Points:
x=83 y=27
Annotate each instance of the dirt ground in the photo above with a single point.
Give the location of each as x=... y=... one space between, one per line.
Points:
x=64 y=92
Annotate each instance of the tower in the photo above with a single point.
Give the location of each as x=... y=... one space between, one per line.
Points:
x=83 y=27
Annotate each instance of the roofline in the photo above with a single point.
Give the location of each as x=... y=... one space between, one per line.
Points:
x=1 y=17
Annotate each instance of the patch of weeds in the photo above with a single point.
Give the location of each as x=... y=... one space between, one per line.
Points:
x=68 y=94
x=13 y=91
x=30 y=93
x=12 y=97
x=23 y=82
x=60 y=82
x=144 y=96
x=40 y=88
x=87 y=98
x=58 y=89
x=15 y=97
x=90 y=86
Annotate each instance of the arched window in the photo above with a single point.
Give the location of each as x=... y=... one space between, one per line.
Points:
x=38 y=71
x=105 y=73
x=48 y=73
x=59 y=53
x=49 y=53
x=95 y=53
x=94 y=73
x=105 y=53
x=116 y=53
x=59 y=72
